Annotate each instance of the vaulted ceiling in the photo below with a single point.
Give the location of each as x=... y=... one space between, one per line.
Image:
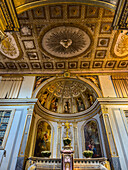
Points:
x=57 y=37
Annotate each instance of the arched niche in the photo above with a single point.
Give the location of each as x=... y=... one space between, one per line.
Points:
x=92 y=138
x=80 y=103
x=43 y=138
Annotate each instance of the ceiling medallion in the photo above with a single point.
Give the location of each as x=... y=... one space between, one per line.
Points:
x=9 y=47
x=65 y=41
x=120 y=45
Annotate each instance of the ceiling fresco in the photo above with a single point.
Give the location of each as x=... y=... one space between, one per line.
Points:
x=65 y=41
x=63 y=37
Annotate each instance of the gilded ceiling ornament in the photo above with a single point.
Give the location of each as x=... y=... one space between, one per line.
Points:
x=120 y=45
x=9 y=47
x=25 y=30
x=65 y=41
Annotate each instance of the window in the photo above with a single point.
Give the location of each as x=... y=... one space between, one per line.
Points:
x=5 y=117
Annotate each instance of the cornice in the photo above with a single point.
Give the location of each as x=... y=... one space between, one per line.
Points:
x=13 y=102
x=113 y=101
x=93 y=110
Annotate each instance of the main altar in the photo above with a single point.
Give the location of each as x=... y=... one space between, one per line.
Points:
x=67 y=161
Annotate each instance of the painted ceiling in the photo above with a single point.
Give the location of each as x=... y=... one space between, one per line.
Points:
x=55 y=38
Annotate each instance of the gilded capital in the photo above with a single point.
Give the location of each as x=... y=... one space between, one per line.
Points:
x=104 y=109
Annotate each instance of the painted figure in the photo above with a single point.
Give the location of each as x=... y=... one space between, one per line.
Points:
x=43 y=138
x=80 y=105
x=92 y=141
x=43 y=98
x=54 y=105
x=67 y=107
x=44 y=141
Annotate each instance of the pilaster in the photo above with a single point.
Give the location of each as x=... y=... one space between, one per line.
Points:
x=75 y=131
x=109 y=137
x=25 y=143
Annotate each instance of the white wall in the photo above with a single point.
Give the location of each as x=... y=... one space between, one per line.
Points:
x=15 y=129
x=27 y=87
x=14 y=138
x=120 y=135
x=107 y=86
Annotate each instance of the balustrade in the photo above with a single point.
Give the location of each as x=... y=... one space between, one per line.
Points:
x=55 y=163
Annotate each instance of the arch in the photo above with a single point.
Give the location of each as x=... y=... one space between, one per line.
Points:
x=44 y=134
x=105 y=4
x=92 y=138
x=96 y=89
x=47 y=113
x=41 y=86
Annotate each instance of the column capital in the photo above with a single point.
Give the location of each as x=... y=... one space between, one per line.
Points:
x=30 y=110
x=104 y=109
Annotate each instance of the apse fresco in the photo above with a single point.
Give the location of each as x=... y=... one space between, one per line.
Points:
x=92 y=139
x=67 y=96
x=43 y=138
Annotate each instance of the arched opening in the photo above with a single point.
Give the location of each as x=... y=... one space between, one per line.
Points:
x=43 y=138
x=66 y=96
x=92 y=141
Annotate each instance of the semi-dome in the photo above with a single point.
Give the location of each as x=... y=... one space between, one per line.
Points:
x=67 y=96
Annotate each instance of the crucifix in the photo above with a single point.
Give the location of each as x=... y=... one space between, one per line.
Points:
x=67 y=127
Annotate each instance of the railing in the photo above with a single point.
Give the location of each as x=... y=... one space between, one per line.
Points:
x=55 y=163
x=90 y=163
x=43 y=163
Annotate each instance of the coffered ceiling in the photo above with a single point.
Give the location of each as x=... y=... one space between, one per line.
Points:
x=55 y=38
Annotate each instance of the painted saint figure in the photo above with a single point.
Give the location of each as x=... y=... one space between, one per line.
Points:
x=54 y=105
x=43 y=138
x=67 y=107
x=80 y=105
x=43 y=98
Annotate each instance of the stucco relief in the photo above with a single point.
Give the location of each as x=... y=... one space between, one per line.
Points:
x=9 y=47
x=120 y=45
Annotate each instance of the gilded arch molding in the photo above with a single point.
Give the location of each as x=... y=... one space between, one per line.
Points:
x=22 y=6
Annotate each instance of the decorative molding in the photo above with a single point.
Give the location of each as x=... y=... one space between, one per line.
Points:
x=9 y=20
x=121 y=16
x=65 y=40
x=113 y=101
x=16 y=102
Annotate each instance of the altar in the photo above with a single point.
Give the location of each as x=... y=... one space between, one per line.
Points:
x=67 y=161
